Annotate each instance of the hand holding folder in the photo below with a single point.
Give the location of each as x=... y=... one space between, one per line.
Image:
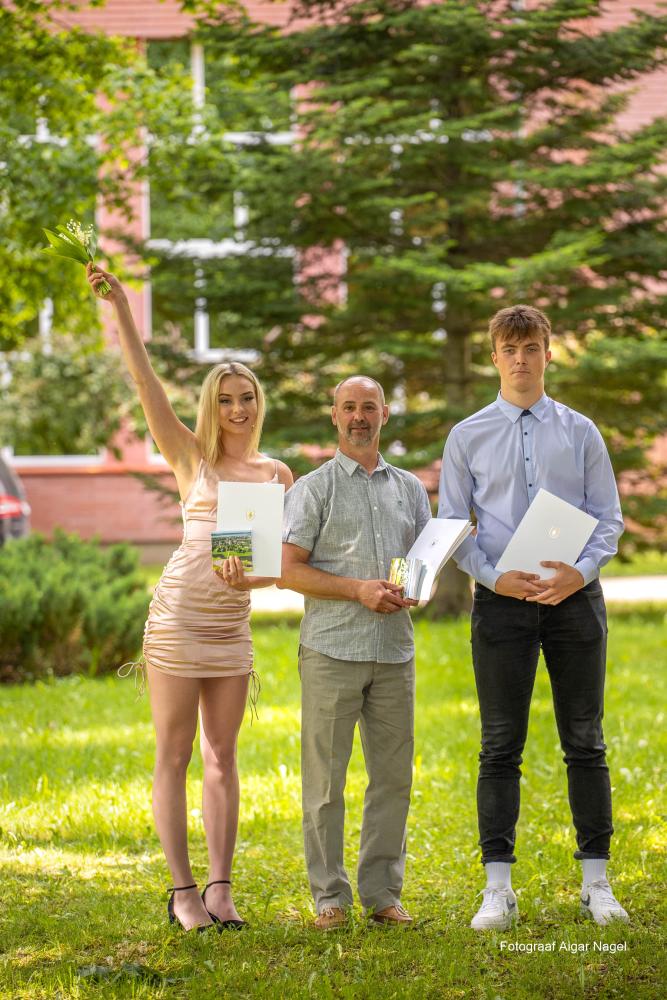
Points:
x=255 y=508
x=551 y=530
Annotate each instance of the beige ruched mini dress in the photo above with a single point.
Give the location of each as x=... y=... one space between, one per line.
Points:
x=197 y=625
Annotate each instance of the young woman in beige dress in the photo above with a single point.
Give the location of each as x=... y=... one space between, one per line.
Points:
x=197 y=644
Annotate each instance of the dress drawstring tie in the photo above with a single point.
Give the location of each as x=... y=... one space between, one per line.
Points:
x=138 y=668
x=253 y=694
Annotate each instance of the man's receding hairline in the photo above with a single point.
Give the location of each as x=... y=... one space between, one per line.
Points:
x=359 y=378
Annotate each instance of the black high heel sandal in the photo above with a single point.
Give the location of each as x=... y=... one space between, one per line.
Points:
x=223 y=925
x=173 y=919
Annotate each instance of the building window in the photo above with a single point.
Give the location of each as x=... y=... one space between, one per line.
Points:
x=198 y=227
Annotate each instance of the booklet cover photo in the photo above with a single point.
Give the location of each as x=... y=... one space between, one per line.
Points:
x=232 y=543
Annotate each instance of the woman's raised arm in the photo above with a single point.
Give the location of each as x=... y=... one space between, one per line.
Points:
x=176 y=442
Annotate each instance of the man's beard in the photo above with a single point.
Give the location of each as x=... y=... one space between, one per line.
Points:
x=363 y=435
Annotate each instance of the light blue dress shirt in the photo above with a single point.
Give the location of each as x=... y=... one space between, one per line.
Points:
x=496 y=460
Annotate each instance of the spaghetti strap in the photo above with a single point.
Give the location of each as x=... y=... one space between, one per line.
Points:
x=275 y=470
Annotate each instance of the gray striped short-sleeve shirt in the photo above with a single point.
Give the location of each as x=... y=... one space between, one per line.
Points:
x=354 y=524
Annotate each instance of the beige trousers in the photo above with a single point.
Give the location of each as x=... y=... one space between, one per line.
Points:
x=336 y=694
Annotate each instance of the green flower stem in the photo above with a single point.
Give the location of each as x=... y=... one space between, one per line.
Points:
x=104 y=288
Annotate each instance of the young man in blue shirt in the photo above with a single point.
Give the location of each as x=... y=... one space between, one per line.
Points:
x=494 y=463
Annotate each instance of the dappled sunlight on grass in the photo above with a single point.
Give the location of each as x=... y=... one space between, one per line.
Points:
x=57 y=861
x=118 y=739
x=453 y=709
x=284 y=796
x=85 y=876
x=285 y=718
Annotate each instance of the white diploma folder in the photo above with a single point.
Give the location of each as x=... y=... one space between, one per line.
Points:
x=257 y=507
x=437 y=542
x=551 y=529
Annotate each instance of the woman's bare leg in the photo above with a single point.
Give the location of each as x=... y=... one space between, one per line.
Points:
x=174 y=702
x=222 y=706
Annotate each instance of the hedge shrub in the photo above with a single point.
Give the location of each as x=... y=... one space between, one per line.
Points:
x=68 y=606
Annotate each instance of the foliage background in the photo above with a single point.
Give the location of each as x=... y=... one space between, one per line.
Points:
x=455 y=157
x=446 y=159
x=68 y=606
x=465 y=157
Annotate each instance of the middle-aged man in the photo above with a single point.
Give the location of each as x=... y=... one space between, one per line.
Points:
x=494 y=463
x=343 y=525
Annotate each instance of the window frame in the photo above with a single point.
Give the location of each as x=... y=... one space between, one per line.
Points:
x=200 y=249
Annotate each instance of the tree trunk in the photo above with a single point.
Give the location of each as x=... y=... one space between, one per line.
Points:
x=452 y=596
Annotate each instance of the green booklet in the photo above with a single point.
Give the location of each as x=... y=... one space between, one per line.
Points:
x=232 y=543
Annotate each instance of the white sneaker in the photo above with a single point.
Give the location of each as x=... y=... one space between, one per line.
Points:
x=498 y=911
x=599 y=903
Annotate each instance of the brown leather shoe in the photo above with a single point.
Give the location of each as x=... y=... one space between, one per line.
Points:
x=395 y=915
x=330 y=918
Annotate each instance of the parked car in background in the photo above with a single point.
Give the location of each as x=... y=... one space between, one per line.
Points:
x=14 y=508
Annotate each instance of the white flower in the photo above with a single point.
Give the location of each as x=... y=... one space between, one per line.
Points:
x=84 y=236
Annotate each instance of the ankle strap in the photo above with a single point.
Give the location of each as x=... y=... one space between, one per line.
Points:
x=182 y=888
x=220 y=881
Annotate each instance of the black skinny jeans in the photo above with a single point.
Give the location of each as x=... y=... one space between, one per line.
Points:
x=506 y=638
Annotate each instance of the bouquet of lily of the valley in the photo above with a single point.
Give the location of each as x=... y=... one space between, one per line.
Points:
x=75 y=243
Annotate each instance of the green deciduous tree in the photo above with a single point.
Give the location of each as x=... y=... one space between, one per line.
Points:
x=69 y=400
x=74 y=109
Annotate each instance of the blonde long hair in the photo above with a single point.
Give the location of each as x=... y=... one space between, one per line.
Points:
x=207 y=429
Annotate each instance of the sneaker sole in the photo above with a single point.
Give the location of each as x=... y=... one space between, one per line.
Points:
x=585 y=912
x=512 y=919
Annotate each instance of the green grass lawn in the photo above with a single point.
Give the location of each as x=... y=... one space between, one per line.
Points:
x=83 y=879
x=649 y=563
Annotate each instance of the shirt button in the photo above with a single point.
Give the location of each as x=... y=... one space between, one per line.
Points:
x=530 y=484
x=528 y=460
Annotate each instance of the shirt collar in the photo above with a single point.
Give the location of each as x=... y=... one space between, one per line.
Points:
x=513 y=412
x=350 y=465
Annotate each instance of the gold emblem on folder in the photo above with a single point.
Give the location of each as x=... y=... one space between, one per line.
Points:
x=250 y=515
x=553 y=532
